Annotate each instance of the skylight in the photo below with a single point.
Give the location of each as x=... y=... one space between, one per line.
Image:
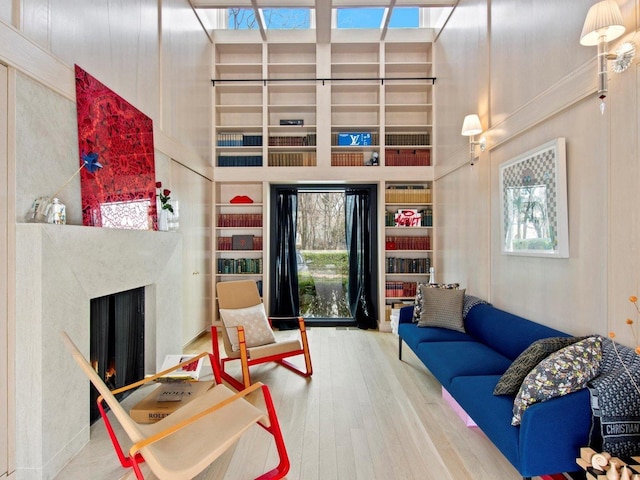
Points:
x=286 y=18
x=360 y=17
x=404 y=17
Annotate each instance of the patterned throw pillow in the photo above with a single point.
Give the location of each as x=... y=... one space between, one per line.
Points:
x=417 y=308
x=565 y=371
x=469 y=302
x=256 y=326
x=442 y=307
x=510 y=382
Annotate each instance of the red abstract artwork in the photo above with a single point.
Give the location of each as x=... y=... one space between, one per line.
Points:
x=115 y=140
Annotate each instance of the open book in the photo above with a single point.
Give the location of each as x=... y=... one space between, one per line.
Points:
x=190 y=371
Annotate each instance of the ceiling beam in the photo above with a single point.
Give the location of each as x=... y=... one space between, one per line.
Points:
x=323 y=21
x=260 y=19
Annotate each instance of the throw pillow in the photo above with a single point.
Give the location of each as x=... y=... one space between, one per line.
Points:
x=510 y=382
x=256 y=326
x=565 y=371
x=615 y=402
x=469 y=302
x=442 y=308
x=417 y=308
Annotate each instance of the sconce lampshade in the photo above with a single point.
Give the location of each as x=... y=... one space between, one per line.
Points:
x=603 y=19
x=471 y=125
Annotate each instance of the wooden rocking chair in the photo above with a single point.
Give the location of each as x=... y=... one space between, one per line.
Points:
x=240 y=295
x=184 y=443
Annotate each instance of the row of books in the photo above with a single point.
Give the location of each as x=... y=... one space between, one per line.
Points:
x=408 y=243
x=308 y=140
x=239 y=265
x=407 y=194
x=343 y=159
x=393 y=288
x=226 y=243
x=407 y=158
x=227 y=139
x=407 y=265
x=426 y=219
x=407 y=139
x=241 y=220
x=240 y=160
x=292 y=159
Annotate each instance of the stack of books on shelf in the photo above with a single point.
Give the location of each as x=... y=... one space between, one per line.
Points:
x=228 y=266
x=292 y=159
x=239 y=160
x=344 y=159
x=229 y=139
x=226 y=243
x=407 y=158
x=408 y=243
x=240 y=220
x=407 y=265
x=407 y=194
x=292 y=140
x=394 y=288
x=400 y=139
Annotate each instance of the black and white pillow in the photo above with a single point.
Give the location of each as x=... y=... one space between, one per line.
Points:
x=417 y=307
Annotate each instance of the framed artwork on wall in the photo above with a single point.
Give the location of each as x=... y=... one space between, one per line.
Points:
x=533 y=194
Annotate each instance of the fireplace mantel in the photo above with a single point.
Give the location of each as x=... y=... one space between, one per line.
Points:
x=61 y=267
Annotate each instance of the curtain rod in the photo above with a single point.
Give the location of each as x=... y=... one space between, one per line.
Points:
x=323 y=80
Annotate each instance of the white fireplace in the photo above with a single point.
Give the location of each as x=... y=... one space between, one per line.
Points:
x=60 y=269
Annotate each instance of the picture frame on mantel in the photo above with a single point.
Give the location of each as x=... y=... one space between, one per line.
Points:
x=533 y=198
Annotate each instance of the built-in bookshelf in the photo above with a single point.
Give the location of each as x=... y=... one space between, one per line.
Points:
x=409 y=233
x=239 y=232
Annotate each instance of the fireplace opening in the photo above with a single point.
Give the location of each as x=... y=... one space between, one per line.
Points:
x=117 y=341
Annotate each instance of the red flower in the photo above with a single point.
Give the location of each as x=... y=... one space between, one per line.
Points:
x=158 y=184
x=166 y=192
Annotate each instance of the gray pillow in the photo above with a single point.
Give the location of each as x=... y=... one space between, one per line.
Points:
x=510 y=382
x=442 y=307
x=417 y=308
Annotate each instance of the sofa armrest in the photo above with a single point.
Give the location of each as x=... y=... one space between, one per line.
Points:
x=406 y=314
x=552 y=433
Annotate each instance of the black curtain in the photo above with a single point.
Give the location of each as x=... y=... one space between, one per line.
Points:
x=284 y=294
x=359 y=231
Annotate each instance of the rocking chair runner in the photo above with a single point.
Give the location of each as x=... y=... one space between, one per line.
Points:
x=243 y=294
x=184 y=443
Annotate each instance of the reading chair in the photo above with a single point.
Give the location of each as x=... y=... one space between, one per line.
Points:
x=247 y=335
x=184 y=443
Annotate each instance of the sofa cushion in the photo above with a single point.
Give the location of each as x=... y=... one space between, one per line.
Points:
x=447 y=360
x=505 y=332
x=414 y=335
x=565 y=371
x=417 y=307
x=442 y=308
x=491 y=413
x=510 y=382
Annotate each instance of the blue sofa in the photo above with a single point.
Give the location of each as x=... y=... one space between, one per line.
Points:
x=469 y=364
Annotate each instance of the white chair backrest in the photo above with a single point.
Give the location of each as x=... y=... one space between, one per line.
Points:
x=130 y=427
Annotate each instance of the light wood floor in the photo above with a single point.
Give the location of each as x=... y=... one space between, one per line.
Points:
x=363 y=415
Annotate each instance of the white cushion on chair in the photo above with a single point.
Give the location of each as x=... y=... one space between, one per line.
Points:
x=256 y=326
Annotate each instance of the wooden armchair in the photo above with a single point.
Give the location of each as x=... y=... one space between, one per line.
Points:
x=184 y=443
x=244 y=337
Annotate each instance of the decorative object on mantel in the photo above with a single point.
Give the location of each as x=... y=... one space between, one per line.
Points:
x=123 y=195
x=167 y=210
x=42 y=210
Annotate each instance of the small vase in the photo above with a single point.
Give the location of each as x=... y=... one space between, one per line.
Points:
x=612 y=473
x=163 y=220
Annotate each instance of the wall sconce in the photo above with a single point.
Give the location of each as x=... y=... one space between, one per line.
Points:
x=602 y=25
x=470 y=128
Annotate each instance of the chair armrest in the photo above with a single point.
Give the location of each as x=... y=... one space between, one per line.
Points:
x=188 y=421
x=406 y=314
